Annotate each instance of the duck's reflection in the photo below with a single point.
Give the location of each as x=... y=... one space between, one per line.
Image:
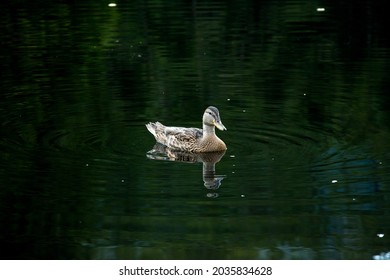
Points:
x=210 y=179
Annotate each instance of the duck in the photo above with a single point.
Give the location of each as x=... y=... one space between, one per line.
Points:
x=192 y=140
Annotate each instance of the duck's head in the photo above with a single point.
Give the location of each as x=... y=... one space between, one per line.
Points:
x=211 y=118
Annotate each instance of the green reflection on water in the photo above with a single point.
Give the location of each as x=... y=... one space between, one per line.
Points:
x=303 y=95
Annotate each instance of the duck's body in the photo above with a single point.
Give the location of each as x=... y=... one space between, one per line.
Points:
x=193 y=140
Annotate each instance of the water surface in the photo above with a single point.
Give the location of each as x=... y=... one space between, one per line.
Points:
x=303 y=93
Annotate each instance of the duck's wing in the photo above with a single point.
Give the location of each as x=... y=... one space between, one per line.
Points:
x=177 y=138
x=182 y=138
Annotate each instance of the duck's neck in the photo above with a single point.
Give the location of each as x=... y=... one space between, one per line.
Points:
x=208 y=130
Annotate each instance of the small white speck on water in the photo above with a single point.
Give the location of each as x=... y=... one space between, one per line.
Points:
x=139 y=55
x=243 y=195
x=123 y=180
x=243 y=111
x=304 y=94
x=353 y=199
x=228 y=99
x=334 y=181
x=233 y=172
x=86 y=164
x=320 y=9
x=232 y=156
x=273 y=158
x=380 y=162
x=380 y=235
x=233 y=165
x=112 y=5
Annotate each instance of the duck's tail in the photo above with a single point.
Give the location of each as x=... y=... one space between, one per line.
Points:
x=155 y=128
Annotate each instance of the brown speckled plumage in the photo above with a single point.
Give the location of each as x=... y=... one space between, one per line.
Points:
x=194 y=140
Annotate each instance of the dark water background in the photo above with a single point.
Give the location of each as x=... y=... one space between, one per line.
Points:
x=304 y=94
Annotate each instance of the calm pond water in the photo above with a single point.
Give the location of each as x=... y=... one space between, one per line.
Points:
x=302 y=87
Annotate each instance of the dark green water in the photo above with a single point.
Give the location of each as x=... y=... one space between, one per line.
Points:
x=304 y=94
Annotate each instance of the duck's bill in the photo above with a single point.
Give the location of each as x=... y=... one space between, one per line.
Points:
x=220 y=126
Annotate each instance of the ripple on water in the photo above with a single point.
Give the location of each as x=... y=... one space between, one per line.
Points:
x=349 y=173
x=272 y=139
